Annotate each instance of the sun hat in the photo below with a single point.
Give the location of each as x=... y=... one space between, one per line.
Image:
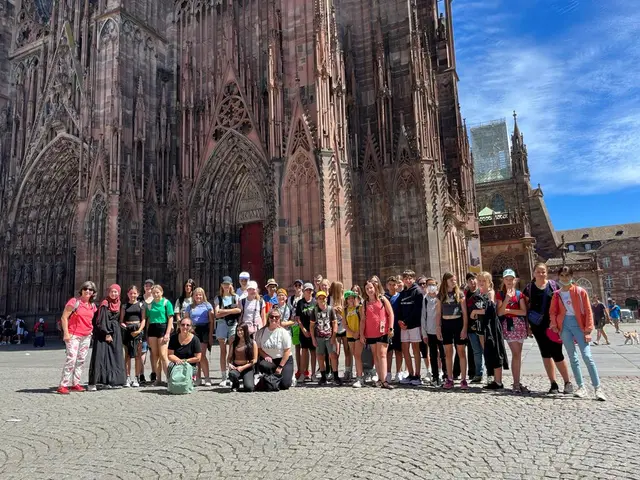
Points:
x=252 y=284
x=350 y=293
x=281 y=291
x=271 y=281
x=321 y=294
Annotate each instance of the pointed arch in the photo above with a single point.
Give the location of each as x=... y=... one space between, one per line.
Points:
x=586 y=284
x=408 y=219
x=300 y=207
x=95 y=231
x=300 y=136
x=499 y=264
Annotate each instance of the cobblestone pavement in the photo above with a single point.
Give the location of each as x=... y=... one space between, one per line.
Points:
x=310 y=432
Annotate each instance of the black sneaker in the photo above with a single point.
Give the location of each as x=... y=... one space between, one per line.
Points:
x=142 y=379
x=493 y=386
x=555 y=389
x=337 y=380
x=477 y=379
x=323 y=380
x=152 y=377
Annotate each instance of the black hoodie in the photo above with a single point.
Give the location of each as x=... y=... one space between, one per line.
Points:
x=410 y=306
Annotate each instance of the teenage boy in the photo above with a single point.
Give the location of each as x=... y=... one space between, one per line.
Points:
x=392 y=294
x=324 y=327
x=409 y=319
x=476 y=353
x=304 y=315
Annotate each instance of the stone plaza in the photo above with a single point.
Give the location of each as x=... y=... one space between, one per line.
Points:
x=313 y=432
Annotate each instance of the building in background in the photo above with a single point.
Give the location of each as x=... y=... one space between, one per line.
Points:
x=171 y=140
x=617 y=249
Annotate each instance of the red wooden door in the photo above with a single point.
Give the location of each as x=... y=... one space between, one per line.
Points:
x=251 y=259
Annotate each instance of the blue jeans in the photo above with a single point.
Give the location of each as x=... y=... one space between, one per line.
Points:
x=571 y=330
x=478 y=353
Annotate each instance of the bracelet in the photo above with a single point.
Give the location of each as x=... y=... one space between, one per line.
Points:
x=280 y=366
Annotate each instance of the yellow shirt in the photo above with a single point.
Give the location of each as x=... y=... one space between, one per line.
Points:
x=353 y=320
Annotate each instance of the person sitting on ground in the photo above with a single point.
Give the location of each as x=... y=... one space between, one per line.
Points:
x=243 y=356
x=274 y=344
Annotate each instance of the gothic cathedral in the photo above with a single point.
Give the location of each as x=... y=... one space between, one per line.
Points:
x=170 y=139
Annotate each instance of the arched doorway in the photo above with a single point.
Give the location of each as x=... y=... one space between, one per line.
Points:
x=632 y=304
x=587 y=285
x=43 y=232
x=232 y=214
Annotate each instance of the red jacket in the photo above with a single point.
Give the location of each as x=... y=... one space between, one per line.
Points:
x=581 y=306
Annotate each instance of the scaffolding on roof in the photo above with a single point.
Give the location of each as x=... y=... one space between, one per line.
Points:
x=490 y=146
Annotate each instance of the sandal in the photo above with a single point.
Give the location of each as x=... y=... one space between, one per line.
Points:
x=378 y=384
x=387 y=386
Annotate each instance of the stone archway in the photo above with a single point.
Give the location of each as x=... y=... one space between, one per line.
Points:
x=234 y=190
x=500 y=263
x=43 y=232
x=587 y=285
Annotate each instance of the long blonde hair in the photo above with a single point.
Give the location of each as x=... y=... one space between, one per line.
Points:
x=200 y=290
x=336 y=292
x=221 y=290
x=487 y=277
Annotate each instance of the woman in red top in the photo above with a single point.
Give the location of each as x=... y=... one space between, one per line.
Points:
x=376 y=328
x=512 y=310
x=77 y=326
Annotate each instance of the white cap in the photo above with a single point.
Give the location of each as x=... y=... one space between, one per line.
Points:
x=41 y=320
x=252 y=284
x=245 y=276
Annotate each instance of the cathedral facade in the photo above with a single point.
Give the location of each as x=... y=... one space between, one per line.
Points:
x=171 y=139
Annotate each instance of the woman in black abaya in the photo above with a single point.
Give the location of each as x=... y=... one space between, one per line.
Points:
x=107 y=356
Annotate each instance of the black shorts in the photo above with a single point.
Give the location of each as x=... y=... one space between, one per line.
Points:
x=202 y=332
x=157 y=330
x=548 y=349
x=451 y=331
x=396 y=343
x=382 y=339
x=306 y=342
x=341 y=335
x=352 y=340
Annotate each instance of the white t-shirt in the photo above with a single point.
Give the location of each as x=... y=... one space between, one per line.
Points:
x=19 y=329
x=568 y=304
x=275 y=342
x=251 y=314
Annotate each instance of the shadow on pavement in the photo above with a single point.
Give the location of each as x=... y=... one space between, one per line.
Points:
x=38 y=390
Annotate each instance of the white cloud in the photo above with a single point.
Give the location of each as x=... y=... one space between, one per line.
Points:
x=575 y=90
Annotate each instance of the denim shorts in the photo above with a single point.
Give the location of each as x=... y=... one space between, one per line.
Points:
x=224 y=331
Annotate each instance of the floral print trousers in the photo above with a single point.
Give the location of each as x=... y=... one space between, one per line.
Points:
x=77 y=349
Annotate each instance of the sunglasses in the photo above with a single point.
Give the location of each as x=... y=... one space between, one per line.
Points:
x=88 y=289
x=274 y=316
x=185 y=324
x=423 y=284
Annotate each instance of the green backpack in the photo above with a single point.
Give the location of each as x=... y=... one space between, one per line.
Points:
x=181 y=379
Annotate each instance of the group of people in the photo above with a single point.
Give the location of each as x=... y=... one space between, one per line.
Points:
x=281 y=338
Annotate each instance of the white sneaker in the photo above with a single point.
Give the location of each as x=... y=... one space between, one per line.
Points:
x=357 y=383
x=388 y=378
x=581 y=392
x=398 y=377
x=92 y=388
x=374 y=378
x=416 y=382
x=294 y=382
x=135 y=383
x=568 y=388
x=318 y=374
x=367 y=378
x=207 y=383
x=301 y=378
x=600 y=394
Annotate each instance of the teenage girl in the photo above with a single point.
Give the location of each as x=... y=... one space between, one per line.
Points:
x=375 y=329
x=352 y=326
x=451 y=327
x=512 y=310
x=336 y=294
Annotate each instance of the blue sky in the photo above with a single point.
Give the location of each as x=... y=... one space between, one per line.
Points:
x=571 y=69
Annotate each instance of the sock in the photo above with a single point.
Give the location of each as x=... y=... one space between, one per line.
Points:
x=335 y=375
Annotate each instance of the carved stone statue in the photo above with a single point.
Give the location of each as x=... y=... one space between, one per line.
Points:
x=37 y=273
x=16 y=271
x=60 y=272
x=28 y=269
x=48 y=273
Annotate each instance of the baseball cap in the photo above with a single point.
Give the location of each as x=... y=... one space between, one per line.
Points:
x=509 y=273
x=321 y=294
x=308 y=286
x=252 y=284
x=299 y=281
x=245 y=276
x=148 y=280
x=349 y=294
x=227 y=280
x=271 y=281
x=281 y=291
